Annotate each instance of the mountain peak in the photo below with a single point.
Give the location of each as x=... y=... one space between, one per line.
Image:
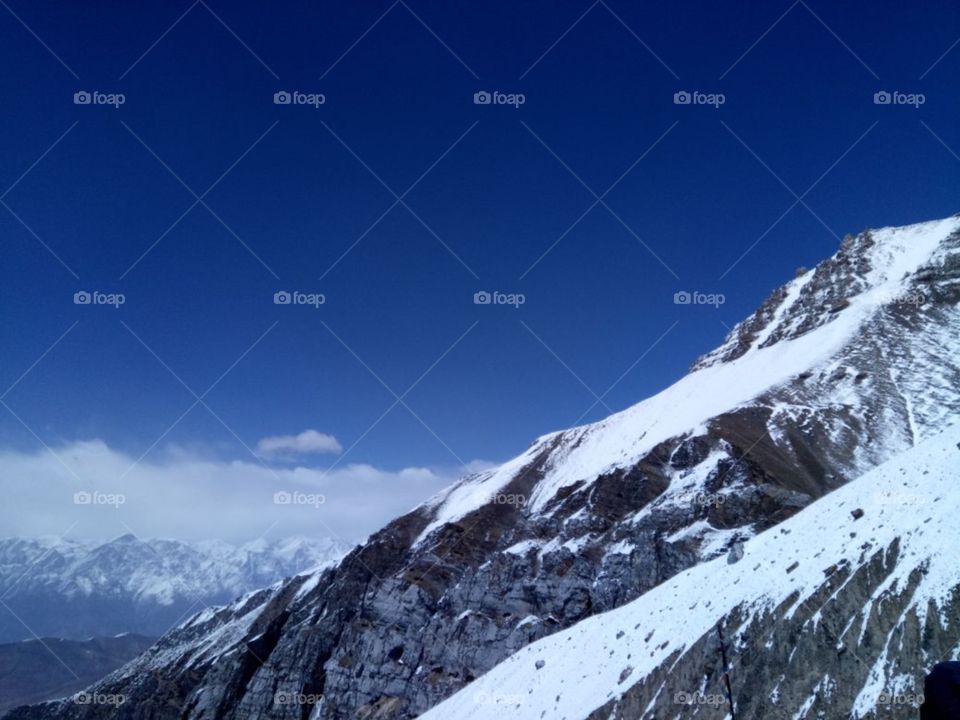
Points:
x=871 y=269
x=126 y=538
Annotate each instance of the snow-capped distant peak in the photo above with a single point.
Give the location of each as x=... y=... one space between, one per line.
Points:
x=142 y=585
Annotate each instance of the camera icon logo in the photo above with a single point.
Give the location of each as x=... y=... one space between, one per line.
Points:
x=82 y=498
x=482 y=298
x=82 y=97
x=682 y=298
x=82 y=298
x=882 y=98
x=282 y=297
x=282 y=98
x=282 y=497
x=482 y=98
x=682 y=98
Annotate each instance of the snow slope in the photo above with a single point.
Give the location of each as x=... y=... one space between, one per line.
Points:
x=622 y=438
x=913 y=498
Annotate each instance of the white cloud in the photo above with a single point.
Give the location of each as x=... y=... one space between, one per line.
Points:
x=309 y=442
x=190 y=495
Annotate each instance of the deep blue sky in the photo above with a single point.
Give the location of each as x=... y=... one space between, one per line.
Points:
x=399 y=299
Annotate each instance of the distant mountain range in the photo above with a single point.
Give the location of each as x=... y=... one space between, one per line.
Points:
x=51 y=587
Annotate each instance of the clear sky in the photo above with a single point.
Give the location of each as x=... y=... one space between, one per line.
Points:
x=398 y=199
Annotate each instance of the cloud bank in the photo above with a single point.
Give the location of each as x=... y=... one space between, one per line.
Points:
x=87 y=489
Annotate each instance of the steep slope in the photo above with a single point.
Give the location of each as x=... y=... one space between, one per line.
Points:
x=837 y=372
x=827 y=615
x=75 y=589
x=36 y=670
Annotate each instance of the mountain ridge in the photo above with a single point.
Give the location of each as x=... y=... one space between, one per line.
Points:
x=837 y=376
x=866 y=532
x=76 y=589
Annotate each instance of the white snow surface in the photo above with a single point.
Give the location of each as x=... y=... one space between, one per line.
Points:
x=623 y=438
x=583 y=664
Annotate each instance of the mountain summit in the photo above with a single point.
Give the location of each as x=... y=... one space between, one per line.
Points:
x=658 y=521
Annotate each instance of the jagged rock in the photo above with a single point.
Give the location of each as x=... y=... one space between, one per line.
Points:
x=854 y=644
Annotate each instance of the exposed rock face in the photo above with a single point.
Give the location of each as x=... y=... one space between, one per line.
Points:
x=782 y=658
x=811 y=300
x=828 y=379
x=827 y=616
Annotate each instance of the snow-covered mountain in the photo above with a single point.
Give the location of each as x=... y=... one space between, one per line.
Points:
x=53 y=587
x=841 y=607
x=844 y=368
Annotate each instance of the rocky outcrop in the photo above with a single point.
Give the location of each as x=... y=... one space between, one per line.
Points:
x=837 y=612
x=781 y=659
